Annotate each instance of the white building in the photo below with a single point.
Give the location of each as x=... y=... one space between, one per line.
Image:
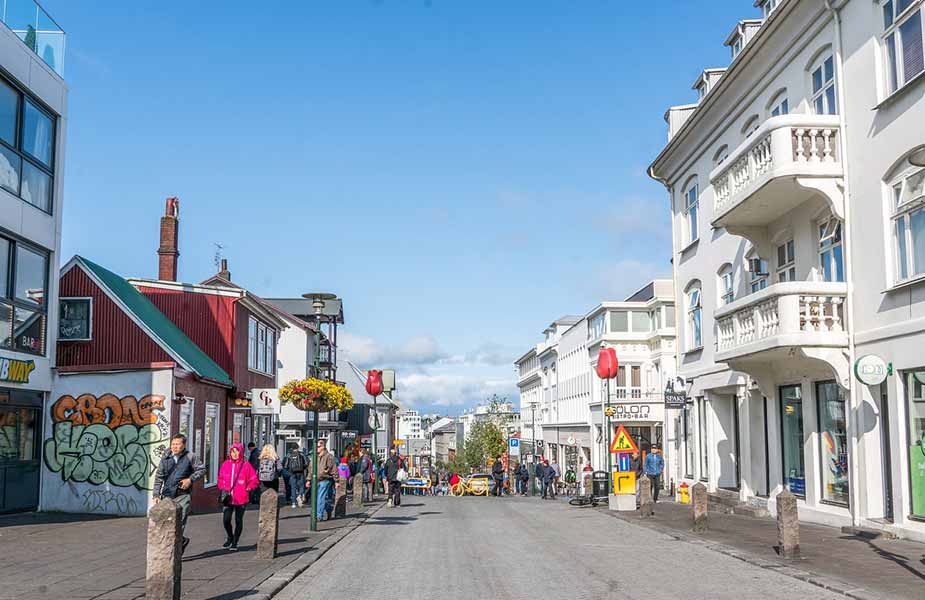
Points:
x=796 y=188
x=409 y=425
x=33 y=121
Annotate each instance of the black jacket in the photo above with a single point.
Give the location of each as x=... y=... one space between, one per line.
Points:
x=497 y=470
x=392 y=465
x=539 y=471
x=169 y=474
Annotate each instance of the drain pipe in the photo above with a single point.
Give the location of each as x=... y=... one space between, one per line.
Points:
x=854 y=391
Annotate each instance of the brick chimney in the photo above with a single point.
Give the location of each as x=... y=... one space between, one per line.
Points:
x=225 y=273
x=168 y=252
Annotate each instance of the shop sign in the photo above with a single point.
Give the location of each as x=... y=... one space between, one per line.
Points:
x=265 y=401
x=16 y=371
x=871 y=369
x=675 y=393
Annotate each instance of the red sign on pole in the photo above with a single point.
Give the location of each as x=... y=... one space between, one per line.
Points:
x=622 y=442
x=374 y=382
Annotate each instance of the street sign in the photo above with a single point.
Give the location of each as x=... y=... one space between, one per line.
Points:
x=513 y=446
x=571 y=440
x=675 y=393
x=871 y=369
x=622 y=442
x=610 y=411
x=623 y=462
x=624 y=483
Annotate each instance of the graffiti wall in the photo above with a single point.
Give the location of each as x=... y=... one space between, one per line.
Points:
x=104 y=436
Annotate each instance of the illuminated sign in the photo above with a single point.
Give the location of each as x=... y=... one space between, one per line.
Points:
x=16 y=371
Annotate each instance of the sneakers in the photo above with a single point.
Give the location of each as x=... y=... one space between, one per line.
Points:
x=299 y=502
x=228 y=543
x=293 y=505
x=389 y=503
x=233 y=547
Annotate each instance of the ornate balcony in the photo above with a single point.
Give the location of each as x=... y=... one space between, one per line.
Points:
x=782 y=164
x=802 y=317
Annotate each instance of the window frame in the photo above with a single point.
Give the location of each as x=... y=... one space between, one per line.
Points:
x=212 y=459
x=825 y=86
x=89 y=301
x=692 y=211
x=779 y=105
x=24 y=97
x=694 y=307
x=788 y=269
x=891 y=42
x=726 y=281
x=902 y=210
x=261 y=351
x=831 y=230
x=8 y=294
x=783 y=438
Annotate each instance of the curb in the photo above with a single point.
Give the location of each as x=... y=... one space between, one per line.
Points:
x=275 y=583
x=778 y=566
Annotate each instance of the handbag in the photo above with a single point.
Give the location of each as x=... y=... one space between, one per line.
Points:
x=402 y=475
x=224 y=497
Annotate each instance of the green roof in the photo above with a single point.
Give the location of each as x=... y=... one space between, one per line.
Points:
x=167 y=333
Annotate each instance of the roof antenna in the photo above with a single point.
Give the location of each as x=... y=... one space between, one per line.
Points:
x=217 y=258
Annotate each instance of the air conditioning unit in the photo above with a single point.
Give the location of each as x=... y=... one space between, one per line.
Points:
x=755 y=266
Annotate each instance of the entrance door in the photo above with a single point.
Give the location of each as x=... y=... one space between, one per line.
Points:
x=20 y=428
x=726 y=408
x=885 y=453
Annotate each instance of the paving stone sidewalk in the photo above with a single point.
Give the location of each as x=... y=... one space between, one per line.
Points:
x=857 y=567
x=50 y=556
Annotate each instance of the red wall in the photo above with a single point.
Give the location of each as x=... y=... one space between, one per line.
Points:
x=117 y=340
x=204 y=499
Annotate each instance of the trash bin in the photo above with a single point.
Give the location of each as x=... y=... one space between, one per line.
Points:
x=599 y=484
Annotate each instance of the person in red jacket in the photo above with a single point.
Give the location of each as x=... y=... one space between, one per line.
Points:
x=236 y=477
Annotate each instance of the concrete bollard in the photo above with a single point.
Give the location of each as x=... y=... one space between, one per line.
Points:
x=340 y=497
x=164 y=553
x=646 y=504
x=699 y=507
x=358 y=490
x=788 y=526
x=268 y=524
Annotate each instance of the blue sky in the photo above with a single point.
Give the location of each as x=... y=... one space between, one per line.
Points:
x=460 y=172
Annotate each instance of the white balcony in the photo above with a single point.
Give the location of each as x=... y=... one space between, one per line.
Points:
x=786 y=161
x=801 y=314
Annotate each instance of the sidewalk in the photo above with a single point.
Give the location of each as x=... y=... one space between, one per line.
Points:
x=860 y=568
x=58 y=556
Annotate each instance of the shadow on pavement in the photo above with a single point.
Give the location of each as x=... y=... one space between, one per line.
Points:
x=391 y=520
x=233 y=595
x=898 y=559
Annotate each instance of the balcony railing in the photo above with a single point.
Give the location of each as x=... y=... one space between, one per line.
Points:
x=36 y=29
x=784 y=314
x=783 y=147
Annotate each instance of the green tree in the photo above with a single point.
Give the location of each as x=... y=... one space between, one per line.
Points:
x=487 y=438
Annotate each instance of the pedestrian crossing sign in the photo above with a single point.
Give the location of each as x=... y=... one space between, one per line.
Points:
x=622 y=442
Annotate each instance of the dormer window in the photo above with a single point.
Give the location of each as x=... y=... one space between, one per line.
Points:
x=769 y=6
x=737 y=47
x=701 y=91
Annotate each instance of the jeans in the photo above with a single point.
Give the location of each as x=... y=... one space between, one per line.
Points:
x=325 y=497
x=550 y=489
x=367 y=491
x=395 y=493
x=656 y=481
x=298 y=485
x=287 y=479
x=182 y=500
x=238 y=512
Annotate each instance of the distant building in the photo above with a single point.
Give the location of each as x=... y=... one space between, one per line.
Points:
x=409 y=425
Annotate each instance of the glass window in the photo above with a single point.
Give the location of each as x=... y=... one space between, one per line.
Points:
x=9 y=169
x=830 y=251
x=271 y=344
x=187 y=410
x=702 y=436
x=641 y=322
x=4 y=268
x=28 y=330
x=691 y=207
x=17 y=433
x=823 y=99
x=6 y=326
x=758 y=274
x=211 y=440
x=669 y=315
x=689 y=440
x=619 y=321
x=791 y=408
x=74 y=319
x=780 y=106
x=726 y=285
x=31 y=270
x=915 y=390
x=694 y=319
x=251 y=343
x=37 y=133
x=786 y=269
x=596 y=327
x=833 y=441
x=261 y=347
x=909 y=229
x=9 y=113
x=903 y=40
x=36 y=186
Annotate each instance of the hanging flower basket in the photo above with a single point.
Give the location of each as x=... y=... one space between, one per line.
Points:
x=316 y=395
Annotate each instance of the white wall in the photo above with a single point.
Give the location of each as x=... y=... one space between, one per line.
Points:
x=106 y=467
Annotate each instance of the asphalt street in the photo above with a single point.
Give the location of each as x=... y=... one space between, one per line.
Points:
x=524 y=548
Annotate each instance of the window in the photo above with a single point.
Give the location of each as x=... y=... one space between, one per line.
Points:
x=908 y=201
x=768 y=7
x=833 y=442
x=75 y=319
x=831 y=260
x=251 y=343
x=23 y=289
x=823 y=99
x=689 y=440
x=726 y=285
x=779 y=105
x=261 y=347
x=669 y=315
x=721 y=155
x=18 y=433
x=737 y=47
x=791 y=411
x=702 y=438
x=691 y=206
x=261 y=340
x=596 y=327
x=902 y=41
x=695 y=339
x=758 y=274
x=187 y=410
x=271 y=344
x=915 y=392
x=27 y=141
x=751 y=126
x=211 y=440
x=786 y=267
x=619 y=321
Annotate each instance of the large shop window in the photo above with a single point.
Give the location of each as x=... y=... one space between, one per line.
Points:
x=211 y=442
x=27 y=141
x=23 y=290
x=702 y=439
x=689 y=441
x=791 y=415
x=833 y=442
x=18 y=433
x=915 y=390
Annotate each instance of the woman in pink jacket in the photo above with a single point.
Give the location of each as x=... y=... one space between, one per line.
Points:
x=238 y=478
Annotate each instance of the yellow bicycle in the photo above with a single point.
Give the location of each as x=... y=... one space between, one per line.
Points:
x=470 y=488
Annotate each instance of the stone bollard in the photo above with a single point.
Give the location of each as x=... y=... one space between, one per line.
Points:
x=699 y=507
x=164 y=554
x=646 y=504
x=788 y=526
x=268 y=524
x=340 y=497
x=358 y=490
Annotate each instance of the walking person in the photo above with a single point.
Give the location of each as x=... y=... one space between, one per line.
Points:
x=539 y=477
x=654 y=465
x=524 y=478
x=549 y=479
x=253 y=457
x=236 y=480
x=269 y=468
x=296 y=463
x=497 y=473
x=175 y=476
x=364 y=468
x=557 y=471
x=394 y=468
x=327 y=477
x=434 y=482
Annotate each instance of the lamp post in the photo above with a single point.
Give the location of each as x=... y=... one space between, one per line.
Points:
x=318 y=301
x=374 y=388
x=607 y=369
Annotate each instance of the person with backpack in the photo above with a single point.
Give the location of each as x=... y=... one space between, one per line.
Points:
x=497 y=473
x=394 y=474
x=364 y=468
x=296 y=464
x=269 y=467
x=539 y=477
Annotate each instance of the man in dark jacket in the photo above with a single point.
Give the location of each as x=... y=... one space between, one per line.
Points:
x=392 y=466
x=539 y=477
x=497 y=473
x=364 y=468
x=174 y=478
x=549 y=480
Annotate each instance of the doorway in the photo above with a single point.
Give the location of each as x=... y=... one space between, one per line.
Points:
x=726 y=408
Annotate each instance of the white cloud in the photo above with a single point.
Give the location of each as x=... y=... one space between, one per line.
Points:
x=365 y=351
x=450 y=389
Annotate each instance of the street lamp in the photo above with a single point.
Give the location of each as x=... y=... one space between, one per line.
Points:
x=318 y=302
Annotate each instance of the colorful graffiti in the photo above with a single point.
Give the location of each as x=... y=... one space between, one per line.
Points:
x=107 y=439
